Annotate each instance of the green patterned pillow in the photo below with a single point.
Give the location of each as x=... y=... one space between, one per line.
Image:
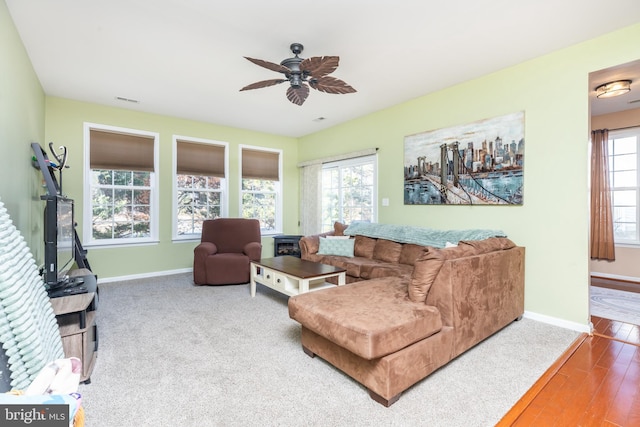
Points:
x=340 y=247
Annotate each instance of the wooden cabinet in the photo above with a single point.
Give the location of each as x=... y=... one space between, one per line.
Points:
x=76 y=316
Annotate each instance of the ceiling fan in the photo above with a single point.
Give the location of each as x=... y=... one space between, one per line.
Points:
x=302 y=73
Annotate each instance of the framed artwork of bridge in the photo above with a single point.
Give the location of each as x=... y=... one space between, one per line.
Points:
x=479 y=163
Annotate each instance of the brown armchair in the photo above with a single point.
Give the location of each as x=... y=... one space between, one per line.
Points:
x=226 y=248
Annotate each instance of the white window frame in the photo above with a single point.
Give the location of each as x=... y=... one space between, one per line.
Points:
x=341 y=164
x=224 y=188
x=278 y=192
x=87 y=208
x=619 y=134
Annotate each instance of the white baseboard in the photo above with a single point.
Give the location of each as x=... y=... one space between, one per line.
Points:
x=615 y=277
x=143 y=275
x=587 y=328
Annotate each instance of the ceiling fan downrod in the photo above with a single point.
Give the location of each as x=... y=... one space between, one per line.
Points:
x=296 y=77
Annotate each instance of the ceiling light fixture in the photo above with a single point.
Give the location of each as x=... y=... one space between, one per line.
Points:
x=611 y=89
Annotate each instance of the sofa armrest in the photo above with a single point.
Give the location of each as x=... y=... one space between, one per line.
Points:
x=253 y=250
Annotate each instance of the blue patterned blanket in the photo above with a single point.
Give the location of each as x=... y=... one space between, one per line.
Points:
x=418 y=235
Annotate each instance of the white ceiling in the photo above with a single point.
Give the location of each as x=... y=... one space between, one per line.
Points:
x=184 y=58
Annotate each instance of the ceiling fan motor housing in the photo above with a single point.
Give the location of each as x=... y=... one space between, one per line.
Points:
x=293 y=64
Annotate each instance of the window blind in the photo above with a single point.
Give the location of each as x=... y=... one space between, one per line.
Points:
x=200 y=159
x=257 y=164
x=120 y=151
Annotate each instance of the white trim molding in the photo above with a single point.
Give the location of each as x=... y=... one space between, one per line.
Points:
x=579 y=327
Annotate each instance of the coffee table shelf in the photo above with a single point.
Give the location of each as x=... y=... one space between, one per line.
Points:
x=292 y=276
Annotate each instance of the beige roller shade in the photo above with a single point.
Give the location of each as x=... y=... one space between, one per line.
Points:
x=258 y=164
x=120 y=151
x=200 y=159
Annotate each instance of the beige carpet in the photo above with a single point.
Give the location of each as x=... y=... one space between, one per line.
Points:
x=174 y=354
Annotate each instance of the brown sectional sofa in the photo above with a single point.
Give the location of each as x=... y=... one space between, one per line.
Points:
x=408 y=309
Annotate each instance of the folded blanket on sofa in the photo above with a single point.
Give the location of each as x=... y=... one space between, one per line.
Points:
x=418 y=235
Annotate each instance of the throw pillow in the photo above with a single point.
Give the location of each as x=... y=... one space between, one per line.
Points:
x=340 y=247
x=338 y=237
x=425 y=270
x=339 y=228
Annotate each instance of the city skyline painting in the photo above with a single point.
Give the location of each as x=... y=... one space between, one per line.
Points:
x=478 y=163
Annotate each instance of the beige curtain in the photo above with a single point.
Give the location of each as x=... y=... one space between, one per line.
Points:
x=602 y=243
x=311 y=199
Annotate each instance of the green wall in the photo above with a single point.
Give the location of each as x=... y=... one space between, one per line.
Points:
x=553 y=221
x=21 y=122
x=64 y=126
x=552 y=224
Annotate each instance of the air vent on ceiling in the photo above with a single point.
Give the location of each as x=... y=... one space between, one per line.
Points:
x=634 y=101
x=122 y=98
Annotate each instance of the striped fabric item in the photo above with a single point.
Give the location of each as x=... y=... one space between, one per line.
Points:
x=29 y=332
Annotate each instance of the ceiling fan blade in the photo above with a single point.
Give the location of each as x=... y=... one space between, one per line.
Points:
x=263 y=83
x=298 y=95
x=270 y=65
x=319 y=66
x=330 y=85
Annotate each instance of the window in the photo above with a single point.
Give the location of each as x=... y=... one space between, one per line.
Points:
x=200 y=184
x=261 y=187
x=349 y=191
x=121 y=190
x=624 y=182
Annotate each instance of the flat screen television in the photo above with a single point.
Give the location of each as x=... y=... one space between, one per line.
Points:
x=59 y=240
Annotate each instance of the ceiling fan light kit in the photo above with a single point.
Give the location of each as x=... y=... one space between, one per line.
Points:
x=303 y=73
x=611 y=89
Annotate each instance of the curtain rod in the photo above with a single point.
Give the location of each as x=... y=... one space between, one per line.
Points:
x=353 y=155
x=626 y=127
x=621 y=128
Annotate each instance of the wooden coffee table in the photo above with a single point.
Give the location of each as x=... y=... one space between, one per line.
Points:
x=292 y=276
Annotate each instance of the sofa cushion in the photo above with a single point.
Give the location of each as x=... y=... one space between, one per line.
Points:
x=364 y=246
x=387 y=250
x=340 y=247
x=384 y=269
x=371 y=318
x=410 y=253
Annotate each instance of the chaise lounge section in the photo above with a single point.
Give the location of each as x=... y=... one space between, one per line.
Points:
x=390 y=332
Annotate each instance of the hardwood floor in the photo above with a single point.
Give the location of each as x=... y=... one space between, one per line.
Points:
x=621 y=285
x=596 y=382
